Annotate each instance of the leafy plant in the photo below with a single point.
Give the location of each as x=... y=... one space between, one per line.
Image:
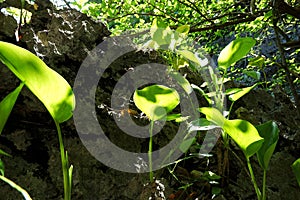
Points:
x=48 y=86
x=260 y=140
x=155 y=101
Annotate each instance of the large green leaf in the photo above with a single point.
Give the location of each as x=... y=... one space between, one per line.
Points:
x=296 y=170
x=7 y=104
x=156 y=101
x=51 y=88
x=270 y=132
x=241 y=131
x=245 y=135
x=235 y=51
x=213 y=115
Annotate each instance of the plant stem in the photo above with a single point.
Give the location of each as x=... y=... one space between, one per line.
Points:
x=64 y=163
x=150 y=151
x=264 y=185
x=258 y=193
x=17 y=187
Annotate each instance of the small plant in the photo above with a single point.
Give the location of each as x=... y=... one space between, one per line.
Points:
x=260 y=140
x=156 y=101
x=49 y=87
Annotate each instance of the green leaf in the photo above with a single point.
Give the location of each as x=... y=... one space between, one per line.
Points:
x=46 y=84
x=216 y=190
x=156 y=101
x=184 y=29
x=235 y=51
x=241 y=131
x=213 y=115
x=268 y=15
x=160 y=33
x=258 y=61
x=7 y=104
x=296 y=170
x=173 y=117
x=252 y=74
x=195 y=87
x=4 y=153
x=182 y=82
x=189 y=56
x=240 y=92
x=244 y=134
x=270 y=132
x=2 y=167
x=232 y=91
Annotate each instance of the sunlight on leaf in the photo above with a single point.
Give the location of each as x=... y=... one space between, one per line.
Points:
x=213 y=115
x=241 y=131
x=50 y=88
x=189 y=56
x=245 y=135
x=7 y=104
x=156 y=101
x=235 y=51
x=183 y=82
x=184 y=29
x=237 y=93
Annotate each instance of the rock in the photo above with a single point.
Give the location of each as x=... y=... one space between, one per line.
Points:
x=8 y=27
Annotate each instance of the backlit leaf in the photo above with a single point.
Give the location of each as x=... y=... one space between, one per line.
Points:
x=156 y=101
x=240 y=92
x=235 y=51
x=245 y=135
x=46 y=84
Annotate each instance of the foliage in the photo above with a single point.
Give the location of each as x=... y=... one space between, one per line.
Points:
x=296 y=169
x=155 y=101
x=48 y=86
x=212 y=24
x=252 y=140
x=234 y=51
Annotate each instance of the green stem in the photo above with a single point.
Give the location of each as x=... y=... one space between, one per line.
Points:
x=17 y=187
x=264 y=185
x=150 y=151
x=258 y=193
x=64 y=163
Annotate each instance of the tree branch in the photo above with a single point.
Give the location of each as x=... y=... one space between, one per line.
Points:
x=226 y=24
x=286 y=69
